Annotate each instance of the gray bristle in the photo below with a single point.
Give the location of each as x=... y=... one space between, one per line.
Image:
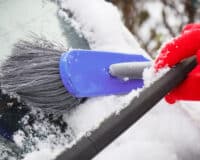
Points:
x=32 y=72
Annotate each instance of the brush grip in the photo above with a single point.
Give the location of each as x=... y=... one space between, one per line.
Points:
x=132 y=70
x=87 y=147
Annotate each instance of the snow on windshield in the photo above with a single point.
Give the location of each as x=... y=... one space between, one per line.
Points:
x=20 y=19
x=166 y=132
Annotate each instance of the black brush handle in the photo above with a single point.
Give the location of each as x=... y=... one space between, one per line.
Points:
x=87 y=147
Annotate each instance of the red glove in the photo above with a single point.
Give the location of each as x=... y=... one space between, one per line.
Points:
x=183 y=46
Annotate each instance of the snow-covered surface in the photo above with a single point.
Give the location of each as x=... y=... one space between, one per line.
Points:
x=101 y=24
x=166 y=132
x=20 y=19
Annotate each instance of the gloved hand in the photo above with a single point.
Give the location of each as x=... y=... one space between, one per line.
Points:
x=185 y=45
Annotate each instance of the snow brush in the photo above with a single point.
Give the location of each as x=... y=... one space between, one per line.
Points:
x=89 y=146
x=44 y=74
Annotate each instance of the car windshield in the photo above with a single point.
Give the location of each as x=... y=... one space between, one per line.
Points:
x=20 y=19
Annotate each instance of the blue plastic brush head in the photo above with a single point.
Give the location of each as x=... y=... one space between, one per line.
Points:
x=85 y=73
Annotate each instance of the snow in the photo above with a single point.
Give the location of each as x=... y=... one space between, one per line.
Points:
x=101 y=24
x=19 y=20
x=166 y=132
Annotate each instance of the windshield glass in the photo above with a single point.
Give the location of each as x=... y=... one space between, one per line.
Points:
x=20 y=18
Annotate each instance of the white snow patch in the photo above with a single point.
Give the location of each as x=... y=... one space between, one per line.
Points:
x=101 y=24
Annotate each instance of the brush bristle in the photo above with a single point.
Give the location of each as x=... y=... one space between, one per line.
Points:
x=32 y=73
